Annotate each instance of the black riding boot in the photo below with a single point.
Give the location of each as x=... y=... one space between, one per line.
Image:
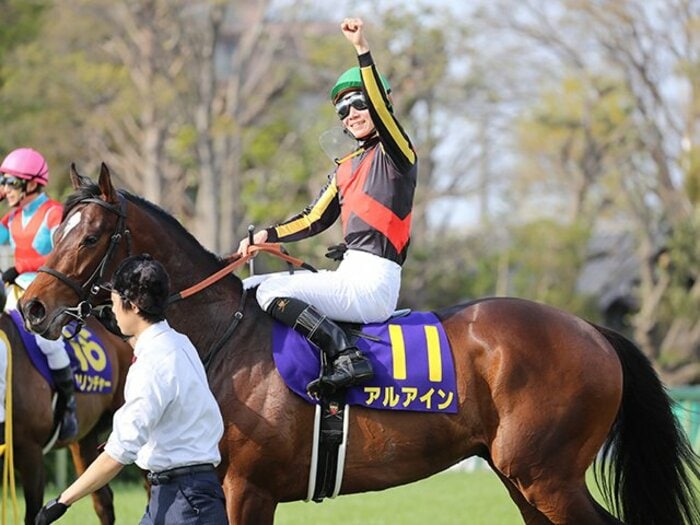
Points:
x=65 y=388
x=348 y=365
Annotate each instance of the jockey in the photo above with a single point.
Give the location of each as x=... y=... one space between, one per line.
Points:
x=372 y=192
x=29 y=227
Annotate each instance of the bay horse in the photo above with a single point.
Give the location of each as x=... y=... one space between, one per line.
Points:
x=539 y=391
x=33 y=418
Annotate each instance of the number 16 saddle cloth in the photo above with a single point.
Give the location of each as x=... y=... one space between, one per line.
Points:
x=92 y=368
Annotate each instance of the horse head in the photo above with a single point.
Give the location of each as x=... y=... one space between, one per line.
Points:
x=101 y=226
x=87 y=243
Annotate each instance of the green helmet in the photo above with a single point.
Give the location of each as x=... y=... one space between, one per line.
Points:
x=351 y=80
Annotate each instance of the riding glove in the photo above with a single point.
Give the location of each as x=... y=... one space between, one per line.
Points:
x=337 y=251
x=10 y=275
x=51 y=512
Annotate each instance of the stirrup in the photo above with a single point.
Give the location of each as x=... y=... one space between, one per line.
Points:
x=318 y=389
x=349 y=369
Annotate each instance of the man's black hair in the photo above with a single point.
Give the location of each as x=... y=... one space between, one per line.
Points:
x=143 y=281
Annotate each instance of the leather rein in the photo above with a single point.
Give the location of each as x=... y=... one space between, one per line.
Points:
x=236 y=262
x=95 y=283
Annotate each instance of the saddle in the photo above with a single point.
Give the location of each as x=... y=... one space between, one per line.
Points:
x=413 y=371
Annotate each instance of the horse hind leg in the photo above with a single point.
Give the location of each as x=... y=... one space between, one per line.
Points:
x=530 y=514
x=551 y=477
x=545 y=497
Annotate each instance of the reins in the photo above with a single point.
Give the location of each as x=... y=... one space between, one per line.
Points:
x=92 y=286
x=271 y=248
x=253 y=249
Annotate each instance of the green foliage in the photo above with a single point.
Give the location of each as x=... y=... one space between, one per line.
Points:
x=449 y=270
x=547 y=257
x=21 y=23
x=679 y=306
x=692 y=176
x=573 y=140
x=53 y=85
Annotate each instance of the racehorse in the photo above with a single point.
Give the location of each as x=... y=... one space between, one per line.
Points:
x=539 y=391
x=33 y=418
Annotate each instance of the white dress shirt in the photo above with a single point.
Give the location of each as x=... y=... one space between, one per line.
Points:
x=170 y=417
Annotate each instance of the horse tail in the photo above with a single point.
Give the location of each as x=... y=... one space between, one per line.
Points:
x=647 y=468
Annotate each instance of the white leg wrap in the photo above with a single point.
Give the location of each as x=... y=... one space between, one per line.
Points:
x=54 y=351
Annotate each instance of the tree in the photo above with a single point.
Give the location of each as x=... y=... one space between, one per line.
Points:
x=617 y=146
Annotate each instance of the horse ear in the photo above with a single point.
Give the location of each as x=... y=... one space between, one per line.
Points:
x=105 y=184
x=76 y=179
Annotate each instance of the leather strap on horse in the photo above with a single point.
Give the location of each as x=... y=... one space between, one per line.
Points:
x=272 y=248
x=328 y=448
x=209 y=358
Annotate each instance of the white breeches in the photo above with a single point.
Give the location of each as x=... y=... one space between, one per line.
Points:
x=363 y=289
x=54 y=351
x=55 y=354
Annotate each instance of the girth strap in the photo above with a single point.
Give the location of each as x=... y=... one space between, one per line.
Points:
x=329 y=447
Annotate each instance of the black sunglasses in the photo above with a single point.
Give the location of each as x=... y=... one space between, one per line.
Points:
x=355 y=100
x=12 y=182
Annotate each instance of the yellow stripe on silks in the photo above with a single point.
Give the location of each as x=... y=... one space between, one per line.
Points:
x=432 y=339
x=374 y=92
x=398 y=351
x=305 y=222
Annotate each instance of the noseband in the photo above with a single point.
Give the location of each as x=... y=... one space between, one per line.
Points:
x=91 y=287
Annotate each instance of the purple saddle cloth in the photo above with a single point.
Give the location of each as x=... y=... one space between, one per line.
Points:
x=412 y=361
x=92 y=368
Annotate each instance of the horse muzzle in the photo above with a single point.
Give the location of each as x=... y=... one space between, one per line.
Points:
x=37 y=319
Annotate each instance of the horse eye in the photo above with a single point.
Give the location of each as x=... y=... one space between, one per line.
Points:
x=90 y=240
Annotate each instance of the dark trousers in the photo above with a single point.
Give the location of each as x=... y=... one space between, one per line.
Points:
x=193 y=499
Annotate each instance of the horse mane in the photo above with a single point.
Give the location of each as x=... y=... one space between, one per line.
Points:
x=90 y=190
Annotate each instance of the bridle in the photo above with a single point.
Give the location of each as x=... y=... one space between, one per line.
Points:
x=87 y=291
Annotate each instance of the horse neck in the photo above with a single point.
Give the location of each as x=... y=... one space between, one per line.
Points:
x=203 y=317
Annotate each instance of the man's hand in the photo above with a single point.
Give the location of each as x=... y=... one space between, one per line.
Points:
x=337 y=251
x=9 y=275
x=258 y=238
x=50 y=512
x=353 y=30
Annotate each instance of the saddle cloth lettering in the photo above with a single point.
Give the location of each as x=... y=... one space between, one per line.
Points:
x=412 y=360
x=92 y=368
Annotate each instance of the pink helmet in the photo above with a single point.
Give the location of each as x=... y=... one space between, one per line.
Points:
x=26 y=163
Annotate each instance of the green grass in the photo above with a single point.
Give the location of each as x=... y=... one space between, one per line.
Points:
x=476 y=498
x=450 y=497
x=129 y=502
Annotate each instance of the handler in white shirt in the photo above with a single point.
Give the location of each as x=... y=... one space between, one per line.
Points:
x=170 y=423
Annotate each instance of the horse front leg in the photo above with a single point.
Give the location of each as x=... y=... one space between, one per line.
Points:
x=247 y=504
x=30 y=465
x=84 y=452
